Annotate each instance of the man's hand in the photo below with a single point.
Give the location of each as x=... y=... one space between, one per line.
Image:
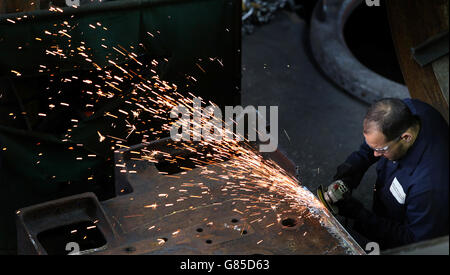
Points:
x=348 y=175
x=349 y=208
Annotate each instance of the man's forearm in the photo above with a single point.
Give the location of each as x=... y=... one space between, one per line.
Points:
x=359 y=161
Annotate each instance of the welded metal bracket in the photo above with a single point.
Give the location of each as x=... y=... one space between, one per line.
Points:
x=33 y=220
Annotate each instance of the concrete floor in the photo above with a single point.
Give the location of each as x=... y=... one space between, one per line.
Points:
x=319 y=124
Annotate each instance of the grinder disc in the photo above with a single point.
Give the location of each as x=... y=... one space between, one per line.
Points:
x=322 y=199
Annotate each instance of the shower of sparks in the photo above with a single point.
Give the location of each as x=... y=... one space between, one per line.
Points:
x=260 y=184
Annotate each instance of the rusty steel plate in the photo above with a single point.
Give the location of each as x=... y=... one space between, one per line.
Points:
x=217 y=206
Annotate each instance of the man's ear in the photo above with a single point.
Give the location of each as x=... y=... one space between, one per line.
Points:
x=407 y=137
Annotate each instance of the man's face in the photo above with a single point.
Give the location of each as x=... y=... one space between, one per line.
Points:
x=377 y=141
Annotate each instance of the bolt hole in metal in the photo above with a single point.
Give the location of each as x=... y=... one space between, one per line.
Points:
x=289 y=222
x=244 y=232
x=234 y=220
x=130 y=249
x=199 y=230
x=208 y=241
x=162 y=240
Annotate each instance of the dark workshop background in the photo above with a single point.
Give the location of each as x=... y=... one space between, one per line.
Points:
x=320 y=123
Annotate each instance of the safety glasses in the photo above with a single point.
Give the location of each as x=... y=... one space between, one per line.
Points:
x=386 y=148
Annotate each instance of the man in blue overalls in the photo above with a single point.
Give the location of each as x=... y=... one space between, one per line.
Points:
x=409 y=140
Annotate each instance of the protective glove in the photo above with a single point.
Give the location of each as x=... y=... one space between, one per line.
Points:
x=350 y=208
x=349 y=175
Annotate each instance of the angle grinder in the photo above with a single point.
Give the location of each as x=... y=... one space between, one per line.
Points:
x=335 y=192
